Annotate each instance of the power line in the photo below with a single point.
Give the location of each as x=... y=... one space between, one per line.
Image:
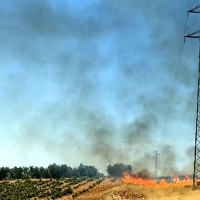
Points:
x=175 y=80
x=193 y=3
x=177 y=72
x=193 y=22
x=188 y=106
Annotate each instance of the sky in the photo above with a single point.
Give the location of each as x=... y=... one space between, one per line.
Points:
x=94 y=82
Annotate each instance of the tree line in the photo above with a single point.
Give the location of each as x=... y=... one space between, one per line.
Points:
x=52 y=171
x=63 y=171
x=118 y=169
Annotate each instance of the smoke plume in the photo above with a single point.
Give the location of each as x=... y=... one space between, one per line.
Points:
x=92 y=83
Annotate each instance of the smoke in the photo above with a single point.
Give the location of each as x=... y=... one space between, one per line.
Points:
x=167 y=160
x=139 y=131
x=189 y=156
x=93 y=84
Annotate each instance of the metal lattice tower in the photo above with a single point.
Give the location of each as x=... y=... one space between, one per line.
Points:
x=196 y=174
x=156 y=163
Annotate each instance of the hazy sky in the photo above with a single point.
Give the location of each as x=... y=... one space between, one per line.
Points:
x=90 y=81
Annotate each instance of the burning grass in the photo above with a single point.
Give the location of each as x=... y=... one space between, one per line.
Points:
x=175 y=181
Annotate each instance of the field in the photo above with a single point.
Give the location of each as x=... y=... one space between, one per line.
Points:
x=94 y=189
x=71 y=188
x=130 y=191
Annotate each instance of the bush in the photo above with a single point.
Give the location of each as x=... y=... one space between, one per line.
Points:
x=67 y=191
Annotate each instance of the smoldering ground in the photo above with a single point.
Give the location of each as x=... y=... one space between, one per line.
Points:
x=92 y=84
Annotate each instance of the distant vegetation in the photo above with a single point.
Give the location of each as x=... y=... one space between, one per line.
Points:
x=56 y=181
x=144 y=173
x=55 y=171
x=52 y=171
x=48 y=188
x=117 y=170
x=52 y=182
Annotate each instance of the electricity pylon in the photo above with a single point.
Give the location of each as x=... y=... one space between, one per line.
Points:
x=196 y=174
x=156 y=163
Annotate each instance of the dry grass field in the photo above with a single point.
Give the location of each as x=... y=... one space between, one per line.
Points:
x=111 y=189
x=130 y=191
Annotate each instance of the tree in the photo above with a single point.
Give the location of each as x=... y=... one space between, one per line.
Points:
x=117 y=169
x=65 y=171
x=91 y=171
x=4 y=172
x=81 y=170
x=17 y=172
x=26 y=173
x=11 y=174
x=44 y=172
x=74 y=172
x=31 y=172
x=34 y=172
x=101 y=175
x=54 y=171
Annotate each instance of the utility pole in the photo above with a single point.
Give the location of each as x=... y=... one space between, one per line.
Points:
x=196 y=174
x=156 y=163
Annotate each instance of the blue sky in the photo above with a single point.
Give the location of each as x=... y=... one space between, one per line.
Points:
x=91 y=81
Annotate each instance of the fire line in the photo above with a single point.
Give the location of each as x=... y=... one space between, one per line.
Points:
x=175 y=181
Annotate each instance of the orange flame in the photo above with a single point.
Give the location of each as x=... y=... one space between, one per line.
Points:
x=150 y=183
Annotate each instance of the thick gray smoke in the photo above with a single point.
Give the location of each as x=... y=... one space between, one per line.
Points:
x=93 y=84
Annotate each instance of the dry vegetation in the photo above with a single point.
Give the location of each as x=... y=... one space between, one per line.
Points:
x=94 y=189
x=66 y=188
x=130 y=191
